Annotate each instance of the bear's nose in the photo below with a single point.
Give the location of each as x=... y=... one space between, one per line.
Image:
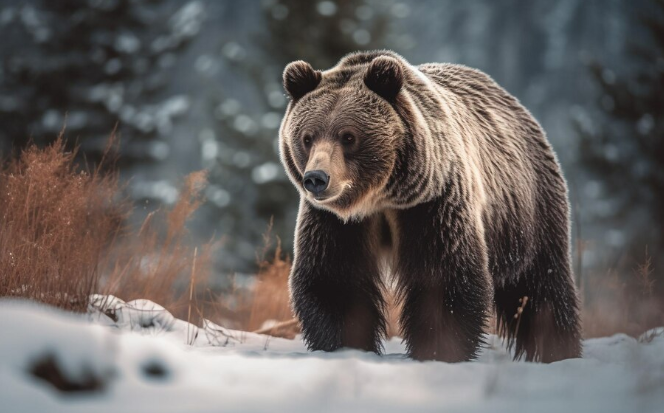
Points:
x=316 y=181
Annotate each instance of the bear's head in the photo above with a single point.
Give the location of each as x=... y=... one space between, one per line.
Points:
x=341 y=132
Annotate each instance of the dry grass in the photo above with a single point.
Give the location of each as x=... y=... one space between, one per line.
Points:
x=619 y=304
x=264 y=307
x=270 y=301
x=63 y=237
x=56 y=224
x=158 y=262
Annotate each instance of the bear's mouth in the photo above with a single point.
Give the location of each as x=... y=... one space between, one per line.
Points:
x=327 y=198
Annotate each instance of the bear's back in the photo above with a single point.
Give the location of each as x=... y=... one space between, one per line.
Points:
x=492 y=109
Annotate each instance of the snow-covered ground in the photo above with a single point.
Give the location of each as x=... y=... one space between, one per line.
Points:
x=142 y=360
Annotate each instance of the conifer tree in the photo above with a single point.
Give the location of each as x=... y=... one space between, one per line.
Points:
x=92 y=65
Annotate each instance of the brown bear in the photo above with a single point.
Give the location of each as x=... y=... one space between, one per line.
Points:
x=437 y=176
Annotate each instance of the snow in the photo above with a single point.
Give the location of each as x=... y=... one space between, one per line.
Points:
x=146 y=360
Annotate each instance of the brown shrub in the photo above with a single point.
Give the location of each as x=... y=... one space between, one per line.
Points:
x=616 y=303
x=158 y=262
x=270 y=299
x=62 y=238
x=265 y=306
x=56 y=224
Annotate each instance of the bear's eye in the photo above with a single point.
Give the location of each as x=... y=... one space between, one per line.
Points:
x=306 y=140
x=347 y=139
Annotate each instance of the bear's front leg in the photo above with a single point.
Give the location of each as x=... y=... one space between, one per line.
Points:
x=335 y=283
x=443 y=280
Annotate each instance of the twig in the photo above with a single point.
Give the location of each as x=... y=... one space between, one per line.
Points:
x=191 y=293
x=644 y=272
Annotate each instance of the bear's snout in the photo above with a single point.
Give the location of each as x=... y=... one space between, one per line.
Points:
x=316 y=181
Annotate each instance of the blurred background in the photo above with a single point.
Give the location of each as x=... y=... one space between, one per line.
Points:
x=193 y=85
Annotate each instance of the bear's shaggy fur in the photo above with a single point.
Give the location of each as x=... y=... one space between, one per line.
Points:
x=436 y=175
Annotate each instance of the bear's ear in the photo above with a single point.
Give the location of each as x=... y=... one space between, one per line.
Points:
x=385 y=77
x=300 y=78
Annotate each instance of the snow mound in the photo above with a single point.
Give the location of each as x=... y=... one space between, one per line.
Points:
x=136 y=356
